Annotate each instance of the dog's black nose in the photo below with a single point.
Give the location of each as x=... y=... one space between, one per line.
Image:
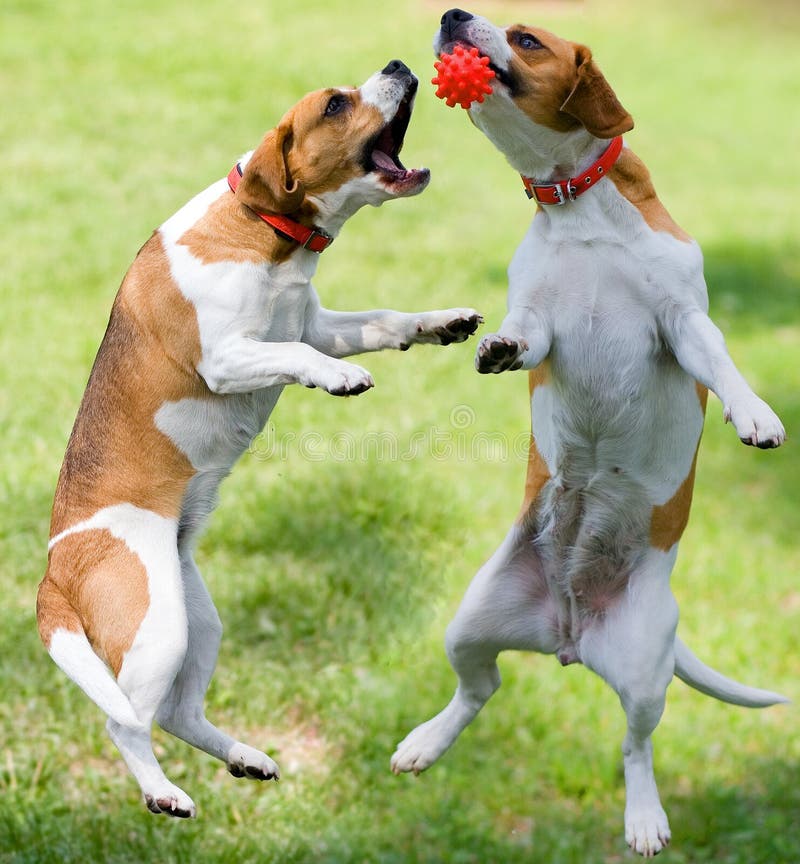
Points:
x=396 y=67
x=453 y=19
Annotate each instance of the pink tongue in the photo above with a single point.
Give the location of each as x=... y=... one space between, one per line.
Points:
x=384 y=161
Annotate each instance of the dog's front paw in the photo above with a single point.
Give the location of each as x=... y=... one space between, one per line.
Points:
x=498 y=353
x=452 y=325
x=245 y=761
x=756 y=423
x=340 y=378
x=647 y=830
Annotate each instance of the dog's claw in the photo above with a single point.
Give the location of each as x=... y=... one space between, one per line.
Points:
x=462 y=324
x=461 y=329
x=756 y=423
x=246 y=761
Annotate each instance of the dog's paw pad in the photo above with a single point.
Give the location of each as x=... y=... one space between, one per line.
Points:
x=499 y=354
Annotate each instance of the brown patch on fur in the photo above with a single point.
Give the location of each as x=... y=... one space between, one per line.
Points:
x=96 y=584
x=537 y=473
x=229 y=231
x=327 y=152
x=632 y=179
x=702 y=394
x=267 y=183
x=559 y=86
x=592 y=101
x=148 y=356
x=668 y=521
x=54 y=611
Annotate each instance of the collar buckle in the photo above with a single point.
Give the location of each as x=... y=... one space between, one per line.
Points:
x=317 y=234
x=550 y=193
x=564 y=191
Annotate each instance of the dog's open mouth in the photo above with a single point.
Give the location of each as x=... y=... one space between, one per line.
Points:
x=382 y=154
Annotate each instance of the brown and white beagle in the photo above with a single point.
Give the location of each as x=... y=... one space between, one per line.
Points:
x=607 y=308
x=215 y=316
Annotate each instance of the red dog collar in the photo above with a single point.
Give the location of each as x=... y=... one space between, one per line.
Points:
x=568 y=190
x=313 y=239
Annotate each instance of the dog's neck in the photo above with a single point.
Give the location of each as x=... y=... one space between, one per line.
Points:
x=574 y=158
x=536 y=151
x=570 y=155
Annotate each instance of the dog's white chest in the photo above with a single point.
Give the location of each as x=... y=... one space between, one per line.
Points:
x=214 y=431
x=616 y=399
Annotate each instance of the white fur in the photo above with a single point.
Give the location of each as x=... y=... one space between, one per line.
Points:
x=73 y=653
x=619 y=311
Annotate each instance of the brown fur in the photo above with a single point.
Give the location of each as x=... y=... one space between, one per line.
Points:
x=246 y=239
x=267 y=183
x=538 y=473
x=327 y=152
x=561 y=87
x=116 y=454
x=148 y=356
x=631 y=177
x=668 y=521
x=95 y=583
x=592 y=102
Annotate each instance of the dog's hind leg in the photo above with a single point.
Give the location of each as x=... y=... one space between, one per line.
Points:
x=151 y=663
x=632 y=648
x=507 y=606
x=182 y=711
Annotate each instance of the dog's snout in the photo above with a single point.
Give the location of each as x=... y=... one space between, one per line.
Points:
x=453 y=19
x=396 y=67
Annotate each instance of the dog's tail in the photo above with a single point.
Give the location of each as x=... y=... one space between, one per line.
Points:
x=695 y=673
x=65 y=639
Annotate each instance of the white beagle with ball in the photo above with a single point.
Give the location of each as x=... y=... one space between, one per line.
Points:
x=607 y=308
x=216 y=315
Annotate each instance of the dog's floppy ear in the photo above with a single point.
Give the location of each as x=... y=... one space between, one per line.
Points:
x=267 y=184
x=592 y=102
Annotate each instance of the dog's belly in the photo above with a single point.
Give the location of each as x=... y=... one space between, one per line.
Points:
x=617 y=423
x=644 y=426
x=212 y=432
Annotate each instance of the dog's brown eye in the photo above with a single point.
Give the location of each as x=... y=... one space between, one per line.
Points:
x=528 y=42
x=335 y=105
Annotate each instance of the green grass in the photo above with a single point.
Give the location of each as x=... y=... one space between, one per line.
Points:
x=336 y=577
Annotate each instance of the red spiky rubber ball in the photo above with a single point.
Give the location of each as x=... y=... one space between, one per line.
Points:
x=463 y=77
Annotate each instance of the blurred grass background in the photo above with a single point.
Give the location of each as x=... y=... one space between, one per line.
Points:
x=335 y=577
